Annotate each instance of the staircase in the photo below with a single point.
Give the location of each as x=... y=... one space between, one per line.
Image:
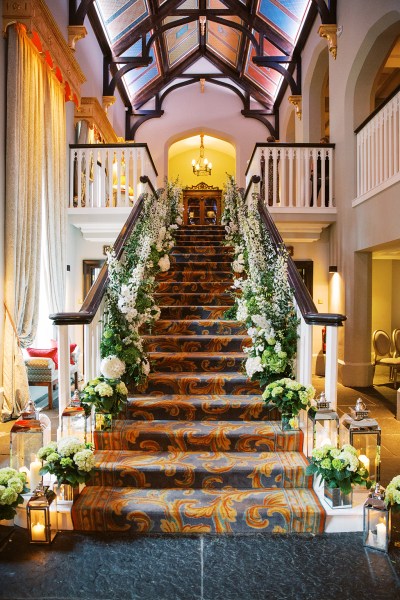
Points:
x=198 y=452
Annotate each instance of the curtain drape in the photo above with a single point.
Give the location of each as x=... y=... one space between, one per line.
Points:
x=35 y=176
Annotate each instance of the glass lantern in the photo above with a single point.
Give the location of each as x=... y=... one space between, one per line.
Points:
x=74 y=422
x=365 y=435
x=26 y=438
x=322 y=426
x=377 y=521
x=42 y=516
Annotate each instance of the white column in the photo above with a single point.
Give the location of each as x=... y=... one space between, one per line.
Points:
x=64 y=384
x=304 y=353
x=331 y=365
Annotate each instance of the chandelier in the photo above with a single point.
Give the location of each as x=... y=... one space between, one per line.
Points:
x=201 y=166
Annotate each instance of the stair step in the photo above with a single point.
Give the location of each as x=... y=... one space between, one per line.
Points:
x=211 y=470
x=217 y=238
x=198 y=327
x=142 y=511
x=203 y=287
x=201 y=383
x=195 y=275
x=192 y=258
x=214 y=436
x=191 y=241
x=206 y=407
x=201 y=265
x=176 y=362
x=193 y=299
x=193 y=312
x=201 y=250
x=191 y=343
x=202 y=228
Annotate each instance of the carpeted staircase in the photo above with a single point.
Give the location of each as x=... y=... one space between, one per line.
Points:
x=198 y=452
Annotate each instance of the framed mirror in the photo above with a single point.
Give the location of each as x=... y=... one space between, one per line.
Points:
x=91 y=269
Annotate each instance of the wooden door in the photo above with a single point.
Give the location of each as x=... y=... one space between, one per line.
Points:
x=202 y=205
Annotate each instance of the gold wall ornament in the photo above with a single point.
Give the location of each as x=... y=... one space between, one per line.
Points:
x=202 y=85
x=75 y=33
x=91 y=111
x=36 y=17
x=108 y=101
x=296 y=101
x=329 y=31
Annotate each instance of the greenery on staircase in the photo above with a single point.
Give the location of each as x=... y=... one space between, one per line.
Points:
x=264 y=301
x=130 y=294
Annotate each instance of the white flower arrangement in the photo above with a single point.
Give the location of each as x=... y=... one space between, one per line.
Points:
x=70 y=460
x=130 y=302
x=265 y=301
x=12 y=485
x=112 y=367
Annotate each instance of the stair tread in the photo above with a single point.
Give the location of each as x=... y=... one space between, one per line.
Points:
x=179 y=355
x=198 y=510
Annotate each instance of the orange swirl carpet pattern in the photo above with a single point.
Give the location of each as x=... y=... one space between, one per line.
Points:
x=198 y=452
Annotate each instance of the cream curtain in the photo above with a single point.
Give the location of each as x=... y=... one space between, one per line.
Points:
x=35 y=176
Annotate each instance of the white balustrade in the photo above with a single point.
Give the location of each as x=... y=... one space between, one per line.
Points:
x=378 y=150
x=108 y=175
x=294 y=176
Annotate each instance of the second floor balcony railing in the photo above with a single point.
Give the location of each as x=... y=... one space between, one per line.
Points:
x=108 y=175
x=294 y=176
x=378 y=149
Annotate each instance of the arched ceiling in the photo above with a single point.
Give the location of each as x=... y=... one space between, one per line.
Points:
x=153 y=44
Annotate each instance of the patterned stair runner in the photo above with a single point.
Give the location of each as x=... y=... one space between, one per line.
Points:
x=198 y=452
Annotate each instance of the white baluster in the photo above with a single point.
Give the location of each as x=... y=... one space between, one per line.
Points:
x=64 y=383
x=331 y=365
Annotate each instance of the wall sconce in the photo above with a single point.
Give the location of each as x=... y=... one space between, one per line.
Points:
x=332 y=269
x=42 y=516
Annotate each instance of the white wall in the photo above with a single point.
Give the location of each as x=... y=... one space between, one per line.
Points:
x=216 y=112
x=2 y=193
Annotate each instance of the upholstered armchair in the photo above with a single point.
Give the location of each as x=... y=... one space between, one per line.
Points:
x=43 y=371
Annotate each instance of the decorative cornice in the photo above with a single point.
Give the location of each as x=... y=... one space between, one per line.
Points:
x=91 y=111
x=108 y=101
x=329 y=31
x=75 y=33
x=296 y=101
x=36 y=17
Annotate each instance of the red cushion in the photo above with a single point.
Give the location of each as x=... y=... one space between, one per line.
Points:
x=44 y=353
x=54 y=344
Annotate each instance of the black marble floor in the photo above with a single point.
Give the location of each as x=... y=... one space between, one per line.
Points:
x=252 y=567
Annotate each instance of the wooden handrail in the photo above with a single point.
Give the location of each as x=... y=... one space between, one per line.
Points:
x=377 y=110
x=303 y=298
x=96 y=293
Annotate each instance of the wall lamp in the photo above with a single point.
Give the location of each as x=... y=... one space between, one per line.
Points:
x=332 y=268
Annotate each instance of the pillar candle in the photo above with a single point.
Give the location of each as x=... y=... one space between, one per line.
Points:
x=34 y=476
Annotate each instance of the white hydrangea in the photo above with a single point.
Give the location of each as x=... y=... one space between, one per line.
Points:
x=112 y=367
x=164 y=263
x=103 y=389
x=69 y=446
x=84 y=460
x=253 y=365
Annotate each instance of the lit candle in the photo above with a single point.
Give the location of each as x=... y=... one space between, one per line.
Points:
x=34 y=476
x=364 y=460
x=38 y=532
x=381 y=535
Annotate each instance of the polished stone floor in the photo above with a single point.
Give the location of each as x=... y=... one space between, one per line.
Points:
x=250 y=567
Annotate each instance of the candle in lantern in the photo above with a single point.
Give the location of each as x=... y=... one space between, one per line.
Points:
x=364 y=460
x=34 y=476
x=381 y=535
x=38 y=532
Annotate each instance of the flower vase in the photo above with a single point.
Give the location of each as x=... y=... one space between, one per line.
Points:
x=6 y=530
x=66 y=492
x=335 y=498
x=103 y=421
x=289 y=422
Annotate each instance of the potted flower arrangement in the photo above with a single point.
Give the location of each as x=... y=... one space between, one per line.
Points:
x=107 y=393
x=12 y=486
x=290 y=397
x=392 y=494
x=70 y=460
x=339 y=469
